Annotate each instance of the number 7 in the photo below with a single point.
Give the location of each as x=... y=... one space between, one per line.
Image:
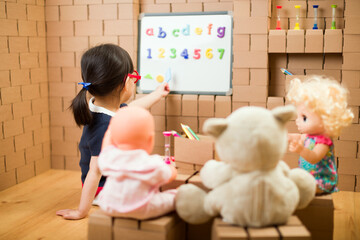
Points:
x=221 y=51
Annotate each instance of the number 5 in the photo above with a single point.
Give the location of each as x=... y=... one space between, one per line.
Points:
x=197 y=53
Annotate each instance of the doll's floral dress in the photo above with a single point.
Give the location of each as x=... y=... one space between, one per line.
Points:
x=324 y=171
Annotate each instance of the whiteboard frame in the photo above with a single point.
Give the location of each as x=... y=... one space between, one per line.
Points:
x=229 y=91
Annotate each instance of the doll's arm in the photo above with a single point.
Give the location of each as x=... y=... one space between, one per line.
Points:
x=152 y=98
x=215 y=173
x=312 y=156
x=293 y=137
x=87 y=194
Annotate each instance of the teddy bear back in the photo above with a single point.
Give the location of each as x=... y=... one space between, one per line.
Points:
x=251 y=138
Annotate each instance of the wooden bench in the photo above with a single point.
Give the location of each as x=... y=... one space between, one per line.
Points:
x=104 y=227
x=293 y=229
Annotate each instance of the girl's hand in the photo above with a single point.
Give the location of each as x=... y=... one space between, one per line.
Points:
x=71 y=214
x=296 y=146
x=163 y=90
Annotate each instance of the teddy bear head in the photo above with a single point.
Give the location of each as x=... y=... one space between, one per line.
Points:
x=251 y=138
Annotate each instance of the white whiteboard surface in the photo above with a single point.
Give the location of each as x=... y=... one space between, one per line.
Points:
x=204 y=71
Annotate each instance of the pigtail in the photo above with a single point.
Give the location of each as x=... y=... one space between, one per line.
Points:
x=80 y=109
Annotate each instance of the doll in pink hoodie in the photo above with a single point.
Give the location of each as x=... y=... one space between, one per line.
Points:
x=133 y=175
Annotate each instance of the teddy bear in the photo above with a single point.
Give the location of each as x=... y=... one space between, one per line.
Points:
x=250 y=186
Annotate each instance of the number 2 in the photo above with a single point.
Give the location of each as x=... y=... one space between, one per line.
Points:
x=161 y=53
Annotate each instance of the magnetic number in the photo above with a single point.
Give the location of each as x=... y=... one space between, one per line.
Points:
x=197 y=53
x=221 y=51
x=161 y=53
x=173 y=52
x=185 y=54
x=208 y=53
x=149 y=53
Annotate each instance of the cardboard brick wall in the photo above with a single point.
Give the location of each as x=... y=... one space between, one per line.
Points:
x=24 y=104
x=40 y=69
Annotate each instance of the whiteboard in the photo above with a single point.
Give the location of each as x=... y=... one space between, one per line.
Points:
x=192 y=52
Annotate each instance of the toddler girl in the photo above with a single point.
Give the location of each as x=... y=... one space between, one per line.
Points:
x=133 y=176
x=109 y=76
x=321 y=113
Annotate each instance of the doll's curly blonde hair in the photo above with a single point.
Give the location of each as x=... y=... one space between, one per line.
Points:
x=325 y=97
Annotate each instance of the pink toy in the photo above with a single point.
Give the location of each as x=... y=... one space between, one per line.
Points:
x=134 y=176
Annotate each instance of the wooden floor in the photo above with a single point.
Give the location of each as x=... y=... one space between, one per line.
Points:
x=27 y=210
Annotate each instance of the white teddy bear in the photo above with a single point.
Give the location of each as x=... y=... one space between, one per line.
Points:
x=251 y=186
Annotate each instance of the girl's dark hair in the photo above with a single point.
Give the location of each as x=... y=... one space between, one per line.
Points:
x=105 y=67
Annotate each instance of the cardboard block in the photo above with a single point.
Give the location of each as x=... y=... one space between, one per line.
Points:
x=159 y=123
x=292 y=232
x=277 y=41
x=352 y=8
x=291 y=127
x=241 y=76
x=192 y=122
x=222 y=106
x=161 y=224
x=99 y=226
x=349 y=166
x=333 y=61
x=158 y=108
x=273 y=102
x=159 y=139
x=352 y=25
x=277 y=78
x=277 y=90
x=173 y=123
x=261 y=233
x=173 y=105
x=250 y=60
x=252 y=25
x=155 y=8
x=333 y=74
x=259 y=42
x=261 y=8
x=354 y=98
x=333 y=41
x=180 y=179
x=345 y=149
x=351 y=133
x=259 y=77
x=314 y=41
x=351 y=79
x=185 y=168
x=351 y=43
x=206 y=106
x=193 y=151
x=250 y=93
x=306 y=61
x=241 y=42
x=293 y=221
x=351 y=61
x=242 y=8
x=190 y=105
x=357 y=183
x=346 y=182
x=295 y=41
x=258 y=104
x=201 y=123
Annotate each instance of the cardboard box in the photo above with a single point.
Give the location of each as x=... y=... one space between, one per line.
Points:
x=305 y=61
x=173 y=123
x=356 y=112
x=354 y=98
x=349 y=166
x=158 y=108
x=277 y=41
x=250 y=93
x=259 y=77
x=173 y=105
x=185 y=168
x=351 y=79
x=241 y=42
x=293 y=230
x=252 y=25
x=193 y=151
x=222 y=106
x=192 y=122
x=241 y=76
x=261 y=8
x=352 y=25
x=237 y=105
x=201 y=123
x=351 y=43
x=259 y=42
x=346 y=182
x=190 y=105
x=291 y=77
x=295 y=41
x=318 y=217
x=273 y=102
x=352 y=8
x=351 y=61
x=250 y=60
x=333 y=61
x=333 y=41
x=206 y=106
x=278 y=60
x=242 y=8
x=181 y=178
x=99 y=226
x=314 y=41
x=351 y=133
x=345 y=149
x=334 y=74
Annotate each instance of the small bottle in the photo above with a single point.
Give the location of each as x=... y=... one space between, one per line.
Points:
x=315 y=16
x=167 y=154
x=297 y=23
x=278 y=22
x=333 y=22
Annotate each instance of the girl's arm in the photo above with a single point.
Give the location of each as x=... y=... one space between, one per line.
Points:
x=152 y=98
x=312 y=156
x=87 y=194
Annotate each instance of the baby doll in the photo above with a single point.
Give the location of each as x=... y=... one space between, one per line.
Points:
x=133 y=176
x=321 y=114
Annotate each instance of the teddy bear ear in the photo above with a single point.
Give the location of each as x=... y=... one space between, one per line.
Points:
x=215 y=126
x=284 y=114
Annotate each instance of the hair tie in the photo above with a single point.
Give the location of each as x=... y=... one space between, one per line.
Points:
x=85 y=85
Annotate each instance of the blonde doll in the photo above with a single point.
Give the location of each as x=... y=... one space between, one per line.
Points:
x=321 y=114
